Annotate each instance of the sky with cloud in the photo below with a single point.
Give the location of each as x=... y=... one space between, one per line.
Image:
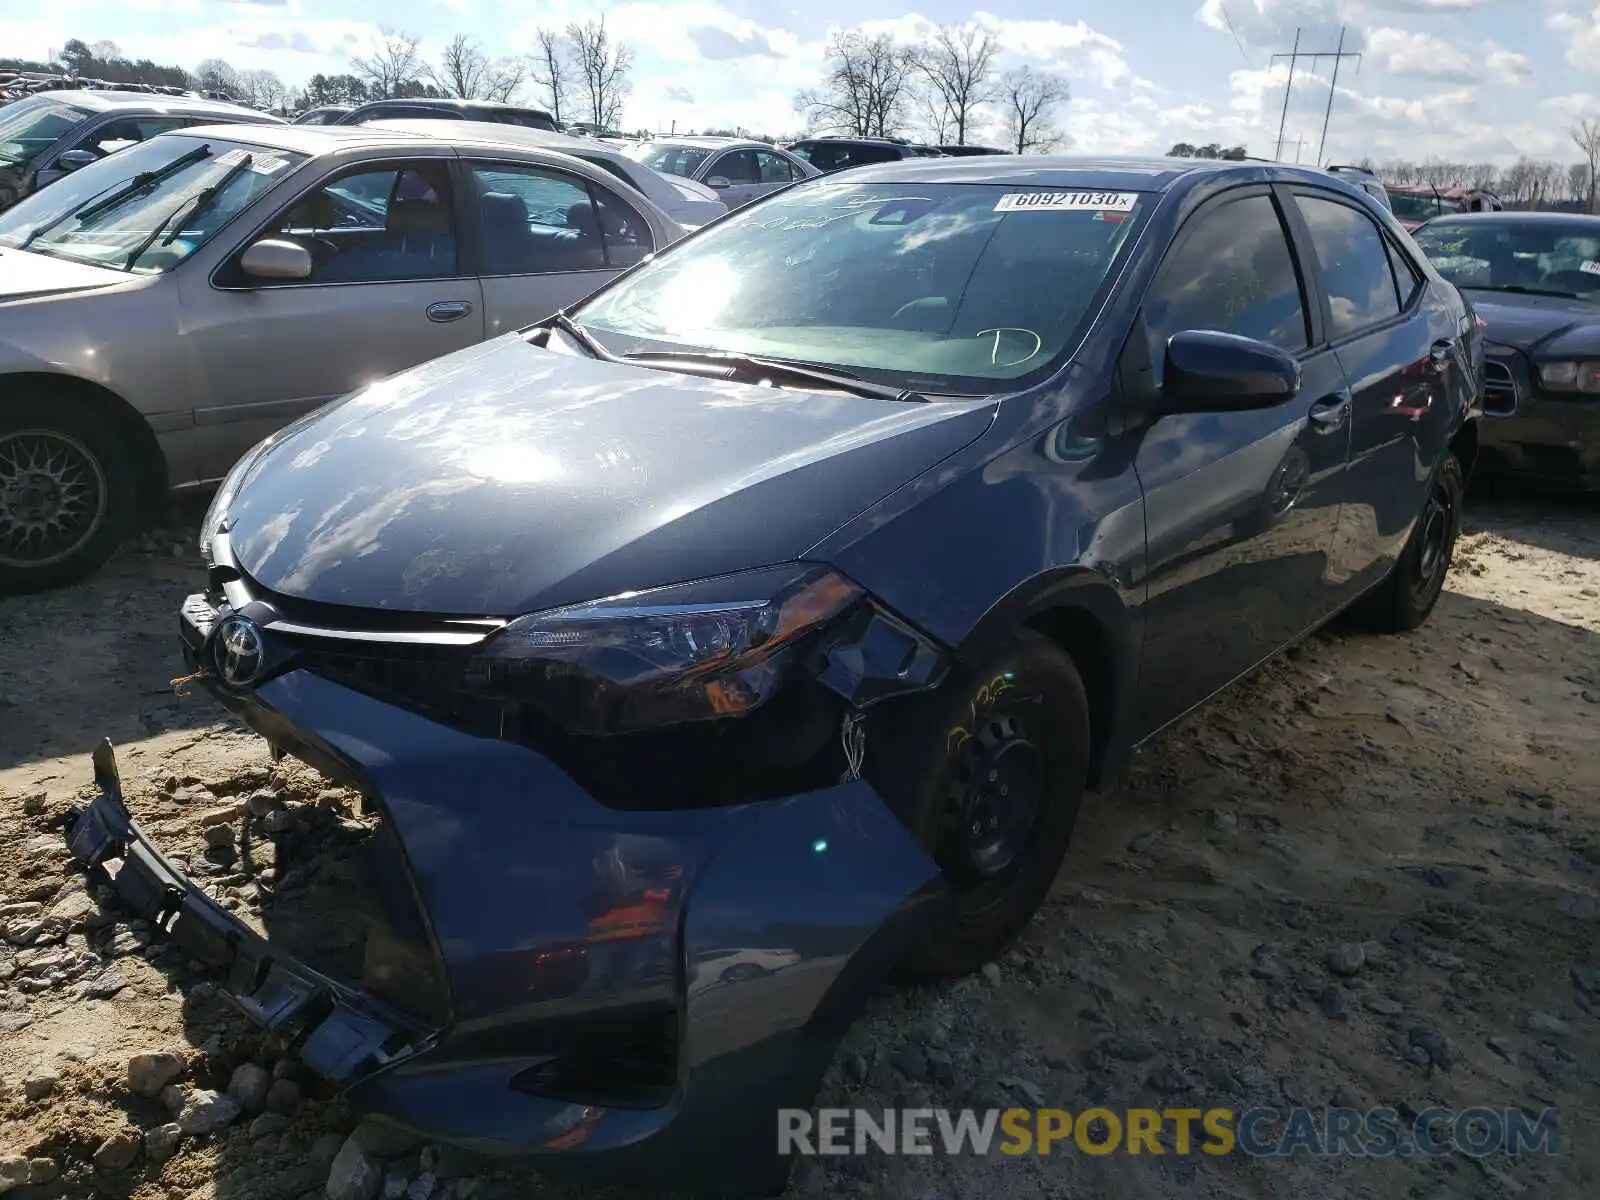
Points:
x=1457 y=79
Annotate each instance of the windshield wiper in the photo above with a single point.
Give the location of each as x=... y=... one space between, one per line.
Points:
x=201 y=200
x=580 y=335
x=1519 y=290
x=755 y=368
x=107 y=201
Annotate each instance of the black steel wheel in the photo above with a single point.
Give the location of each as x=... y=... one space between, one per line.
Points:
x=1406 y=598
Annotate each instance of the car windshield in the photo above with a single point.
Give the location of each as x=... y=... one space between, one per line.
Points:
x=156 y=198
x=30 y=127
x=1422 y=206
x=955 y=288
x=1553 y=255
x=670 y=160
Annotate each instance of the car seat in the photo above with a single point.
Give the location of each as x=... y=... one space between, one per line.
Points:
x=509 y=245
x=586 y=250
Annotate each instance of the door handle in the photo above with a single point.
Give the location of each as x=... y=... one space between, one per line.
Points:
x=1329 y=416
x=448 y=310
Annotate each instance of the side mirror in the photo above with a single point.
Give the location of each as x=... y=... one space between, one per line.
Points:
x=719 y=182
x=74 y=160
x=1207 y=371
x=276 y=258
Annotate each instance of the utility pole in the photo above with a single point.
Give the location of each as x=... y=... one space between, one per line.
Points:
x=1294 y=57
x=1338 y=55
x=1297 y=142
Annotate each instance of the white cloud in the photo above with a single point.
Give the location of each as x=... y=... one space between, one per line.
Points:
x=1582 y=34
x=1507 y=66
x=1575 y=107
x=1404 y=52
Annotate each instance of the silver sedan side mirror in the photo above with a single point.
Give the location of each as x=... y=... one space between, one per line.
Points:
x=276 y=258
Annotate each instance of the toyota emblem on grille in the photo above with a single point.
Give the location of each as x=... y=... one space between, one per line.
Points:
x=238 y=651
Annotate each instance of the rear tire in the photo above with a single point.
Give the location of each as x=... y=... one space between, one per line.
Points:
x=988 y=773
x=1403 y=601
x=68 y=494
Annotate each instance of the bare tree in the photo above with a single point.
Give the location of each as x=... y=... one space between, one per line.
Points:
x=217 y=75
x=603 y=64
x=261 y=88
x=866 y=86
x=1578 y=182
x=552 y=70
x=1030 y=99
x=462 y=70
x=392 y=64
x=958 y=66
x=1586 y=135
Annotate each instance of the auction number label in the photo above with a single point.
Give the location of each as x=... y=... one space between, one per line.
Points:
x=1067 y=202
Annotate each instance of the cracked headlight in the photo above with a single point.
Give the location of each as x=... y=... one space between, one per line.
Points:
x=690 y=652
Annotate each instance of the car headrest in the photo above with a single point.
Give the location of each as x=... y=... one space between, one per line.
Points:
x=504 y=211
x=581 y=218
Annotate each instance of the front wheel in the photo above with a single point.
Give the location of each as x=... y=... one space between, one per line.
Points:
x=66 y=495
x=988 y=773
x=1403 y=601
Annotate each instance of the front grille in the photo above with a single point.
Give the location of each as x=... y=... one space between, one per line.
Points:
x=1499 y=388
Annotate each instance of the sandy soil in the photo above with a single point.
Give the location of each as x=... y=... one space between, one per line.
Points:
x=1433 y=800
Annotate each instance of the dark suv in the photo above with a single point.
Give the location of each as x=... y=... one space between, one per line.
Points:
x=774 y=607
x=458 y=110
x=829 y=154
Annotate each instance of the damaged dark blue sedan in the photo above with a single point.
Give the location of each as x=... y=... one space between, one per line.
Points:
x=749 y=633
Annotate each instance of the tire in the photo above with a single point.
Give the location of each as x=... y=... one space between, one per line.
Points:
x=67 y=494
x=1403 y=601
x=1025 y=717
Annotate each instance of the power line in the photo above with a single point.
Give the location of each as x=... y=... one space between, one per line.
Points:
x=1294 y=57
x=1228 y=21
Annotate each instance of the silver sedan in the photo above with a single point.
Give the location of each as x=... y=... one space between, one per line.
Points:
x=737 y=169
x=170 y=306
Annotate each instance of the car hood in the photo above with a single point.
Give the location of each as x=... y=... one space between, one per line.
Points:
x=507 y=478
x=25 y=276
x=1541 y=326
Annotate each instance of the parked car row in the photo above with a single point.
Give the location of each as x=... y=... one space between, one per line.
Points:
x=47 y=136
x=753 y=625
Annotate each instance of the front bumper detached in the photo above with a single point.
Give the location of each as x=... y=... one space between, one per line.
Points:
x=728 y=974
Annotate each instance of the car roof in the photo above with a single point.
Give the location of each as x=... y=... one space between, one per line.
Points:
x=496 y=131
x=1083 y=171
x=100 y=101
x=708 y=142
x=1519 y=218
x=451 y=102
x=303 y=139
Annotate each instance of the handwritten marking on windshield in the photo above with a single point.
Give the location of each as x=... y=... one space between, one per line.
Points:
x=842 y=209
x=994 y=352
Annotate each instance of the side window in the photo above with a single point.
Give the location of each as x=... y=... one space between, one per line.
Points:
x=1232 y=272
x=773 y=168
x=738 y=166
x=376 y=225
x=1407 y=279
x=1355 y=265
x=119 y=135
x=537 y=221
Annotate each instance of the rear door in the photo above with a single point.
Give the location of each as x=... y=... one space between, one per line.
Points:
x=389 y=291
x=1240 y=507
x=1401 y=347
x=545 y=239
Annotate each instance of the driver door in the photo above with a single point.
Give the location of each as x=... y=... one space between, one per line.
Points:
x=1241 y=508
x=740 y=169
x=388 y=290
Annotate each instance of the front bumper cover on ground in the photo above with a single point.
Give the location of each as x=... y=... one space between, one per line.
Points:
x=811 y=897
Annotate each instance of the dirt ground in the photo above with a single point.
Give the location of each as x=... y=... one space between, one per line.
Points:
x=1421 y=813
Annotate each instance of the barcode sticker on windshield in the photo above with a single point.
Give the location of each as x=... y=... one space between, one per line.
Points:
x=232 y=158
x=265 y=164
x=1067 y=202
x=1589 y=267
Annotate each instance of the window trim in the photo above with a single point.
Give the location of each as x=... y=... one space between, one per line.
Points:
x=1303 y=229
x=1186 y=231
x=466 y=165
x=1397 y=251
x=228 y=266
